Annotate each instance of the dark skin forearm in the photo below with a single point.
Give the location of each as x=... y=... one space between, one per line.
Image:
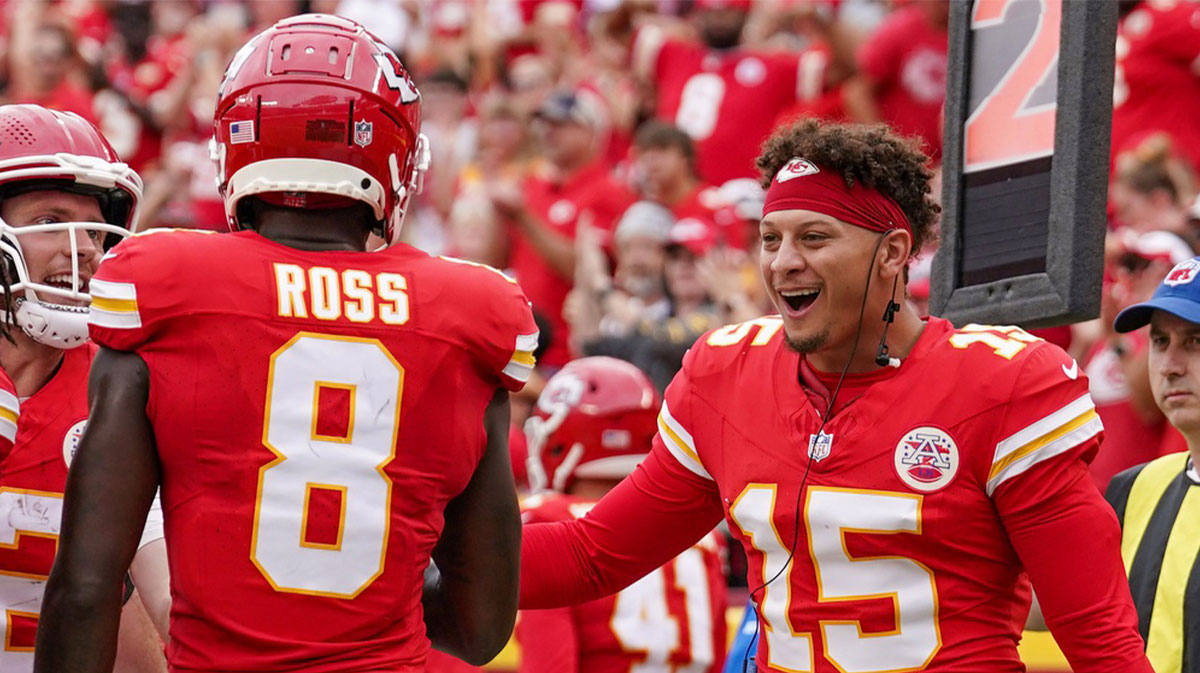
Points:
x=470 y=598
x=109 y=490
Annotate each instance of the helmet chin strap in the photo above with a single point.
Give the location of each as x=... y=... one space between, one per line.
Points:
x=52 y=327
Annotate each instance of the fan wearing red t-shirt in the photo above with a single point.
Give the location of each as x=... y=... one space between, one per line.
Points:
x=1157 y=82
x=572 y=186
x=593 y=423
x=891 y=480
x=901 y=76
x=728 y=98
x=666 y=171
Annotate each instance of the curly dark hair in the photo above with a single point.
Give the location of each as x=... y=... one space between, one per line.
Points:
x=868 y=153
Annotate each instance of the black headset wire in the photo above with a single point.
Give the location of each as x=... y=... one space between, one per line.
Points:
x=808 y=465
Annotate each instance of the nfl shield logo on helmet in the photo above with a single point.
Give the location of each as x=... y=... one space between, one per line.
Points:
x=796 y=168
x=363 y=133
x=820 y=445
x=926 y=459
x=1184 y=272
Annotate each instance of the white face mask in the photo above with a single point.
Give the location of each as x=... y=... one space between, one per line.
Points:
x=34 y=309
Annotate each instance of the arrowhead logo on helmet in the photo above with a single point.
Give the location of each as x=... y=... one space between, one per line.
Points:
x=595 y=418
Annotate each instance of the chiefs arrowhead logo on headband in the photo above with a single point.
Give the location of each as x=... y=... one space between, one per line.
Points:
x=796 y=168
x=827 y=192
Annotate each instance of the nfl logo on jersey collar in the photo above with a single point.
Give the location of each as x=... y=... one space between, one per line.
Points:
x=1179 y=294
x=819 y=445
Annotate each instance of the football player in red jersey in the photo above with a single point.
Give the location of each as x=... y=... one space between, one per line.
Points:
x=325 y=420
x=890 y=480
x=593 y=423
x=63 y=196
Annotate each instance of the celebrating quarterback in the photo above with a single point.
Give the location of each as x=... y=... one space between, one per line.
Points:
x=325 y=420
x=890 y=478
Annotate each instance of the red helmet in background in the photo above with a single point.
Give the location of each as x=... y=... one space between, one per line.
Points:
x=40 y=150
x=315 y=111
x=594 y=419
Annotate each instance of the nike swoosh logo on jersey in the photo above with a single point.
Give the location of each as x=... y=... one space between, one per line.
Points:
x=1073 y=372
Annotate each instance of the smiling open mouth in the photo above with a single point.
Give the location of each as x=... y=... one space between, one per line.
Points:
x=62 y=281
x=798 y=300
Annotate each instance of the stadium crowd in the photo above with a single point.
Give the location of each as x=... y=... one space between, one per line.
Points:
x=602 y=151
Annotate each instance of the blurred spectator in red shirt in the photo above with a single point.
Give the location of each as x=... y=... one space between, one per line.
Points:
x=530 y=81
x=665 y=170
x=1152 y=189
x=572 y=186
x=728 y=98
x=453 y=139
x=44 y=67
x=901 y=76
x=1157 y=81
x=504 y=155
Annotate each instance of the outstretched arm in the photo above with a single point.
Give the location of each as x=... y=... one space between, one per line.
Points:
x=471 y=596
x=1062 y=529
x=109 y=489
x=648 y=519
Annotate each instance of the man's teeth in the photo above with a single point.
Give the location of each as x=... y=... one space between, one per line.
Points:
x=64 y=281
x=798 y=293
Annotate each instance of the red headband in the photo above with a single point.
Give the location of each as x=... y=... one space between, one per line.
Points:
x=802 y=185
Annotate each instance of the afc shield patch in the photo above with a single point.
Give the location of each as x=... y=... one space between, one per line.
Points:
x=926 y=459
x=363 y=133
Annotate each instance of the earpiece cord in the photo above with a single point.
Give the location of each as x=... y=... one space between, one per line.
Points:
x=808 y=465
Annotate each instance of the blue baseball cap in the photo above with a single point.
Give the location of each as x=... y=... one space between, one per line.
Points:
x=1178 y=294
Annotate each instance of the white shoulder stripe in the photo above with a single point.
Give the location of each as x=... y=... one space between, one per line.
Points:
x=8 y=430
x=9 y=401
x=680 y=443
x=517 y=371
x=111 y=290
x=101 y=318
x=1053 y=435
x=1039 y=428
x=1092 y=427
x=527 y=342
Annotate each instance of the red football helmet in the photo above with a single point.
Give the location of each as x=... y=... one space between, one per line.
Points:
x=594 y=419
x=315 y=108
x=42 y=149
